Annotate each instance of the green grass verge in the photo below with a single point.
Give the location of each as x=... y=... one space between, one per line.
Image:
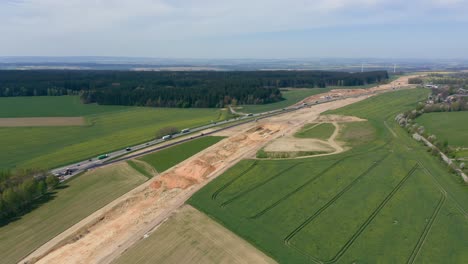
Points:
x=166 y=158
x=139 y=168
x=450 y=126
x=387 y=200
x=48 y=147
x=79 y=198
x=321 y=131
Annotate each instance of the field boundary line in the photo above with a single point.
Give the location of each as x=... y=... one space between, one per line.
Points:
x=442 y=189
x=280 y=200
x=239 y=195
x=331 y=201
x=226 y=185
x=391 y=130
x=426 y=231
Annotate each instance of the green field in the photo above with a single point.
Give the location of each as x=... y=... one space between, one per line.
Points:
x=166 y=158
x=321 y=131
x=450 y=126
x=51 y=106
x=384 y=201
x=82 y=196
x=108 y=128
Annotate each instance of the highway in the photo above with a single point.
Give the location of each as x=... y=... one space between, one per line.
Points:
x=194 y=133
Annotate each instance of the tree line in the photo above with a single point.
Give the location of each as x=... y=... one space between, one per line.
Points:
x=19 y=189
x=175 y=88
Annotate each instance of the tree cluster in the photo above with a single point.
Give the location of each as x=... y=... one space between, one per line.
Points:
x=19 y=189
x=175 y=89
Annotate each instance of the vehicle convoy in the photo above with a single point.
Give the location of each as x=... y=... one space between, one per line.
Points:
x=104 y=156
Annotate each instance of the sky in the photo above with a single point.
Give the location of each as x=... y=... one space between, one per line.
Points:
x=235 y=28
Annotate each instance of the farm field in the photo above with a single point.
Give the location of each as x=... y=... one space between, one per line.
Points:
x=385 y=200
x=164 y=159
x=81 y=197
x=189 y=236
x=450 y=126
x=108 y=128
x=51 y=106
x=320 y=131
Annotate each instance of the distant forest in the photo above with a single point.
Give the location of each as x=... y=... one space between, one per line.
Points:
x=175 y=89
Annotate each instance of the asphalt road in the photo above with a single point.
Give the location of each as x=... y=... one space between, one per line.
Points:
x=196 y=132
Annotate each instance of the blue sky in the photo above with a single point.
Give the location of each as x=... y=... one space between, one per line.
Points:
x=235 y=29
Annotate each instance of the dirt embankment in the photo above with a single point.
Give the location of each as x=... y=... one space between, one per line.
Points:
x=105 y=235
x=108 y=232
x=400 y=83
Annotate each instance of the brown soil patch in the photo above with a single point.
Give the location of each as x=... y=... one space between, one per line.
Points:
x=189 y=236
x=338 y=118
x=42 y=121
x=400 y=83
x=292 y=144
x=107 y=233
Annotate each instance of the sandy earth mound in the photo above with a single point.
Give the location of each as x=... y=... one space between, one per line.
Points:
x=104 y=235
x=338 y=118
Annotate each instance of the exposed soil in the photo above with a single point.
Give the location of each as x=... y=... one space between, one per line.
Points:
x=42 y=121
x=104 y=235
x=400 y=83
x=192 y=237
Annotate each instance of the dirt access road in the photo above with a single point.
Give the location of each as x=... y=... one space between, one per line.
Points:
x=107 y=233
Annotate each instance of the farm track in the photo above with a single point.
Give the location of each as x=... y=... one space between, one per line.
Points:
x=426 y=231
x=270 y=207
x=239 y=195
x=362 y=227
x=217 y=192
x=333 y=200
x=465 y=214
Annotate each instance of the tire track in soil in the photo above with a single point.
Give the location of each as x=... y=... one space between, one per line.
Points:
x=333 y=200
x=279 y=201
x=222 y=188
x=426 y=231
x=260 y=184
x=361 y=228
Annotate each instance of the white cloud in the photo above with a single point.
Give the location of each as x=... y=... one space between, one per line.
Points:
x=123 y=23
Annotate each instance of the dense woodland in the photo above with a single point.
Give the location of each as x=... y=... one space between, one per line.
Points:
x=175 y=89
x=20 y=189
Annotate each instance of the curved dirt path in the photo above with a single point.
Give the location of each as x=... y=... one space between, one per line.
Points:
x=105 y=234
x=331 y=141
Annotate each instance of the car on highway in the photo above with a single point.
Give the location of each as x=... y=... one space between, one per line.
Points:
x=167 y=137
x=104 y=156
x=128 y=149
x=185 y=130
